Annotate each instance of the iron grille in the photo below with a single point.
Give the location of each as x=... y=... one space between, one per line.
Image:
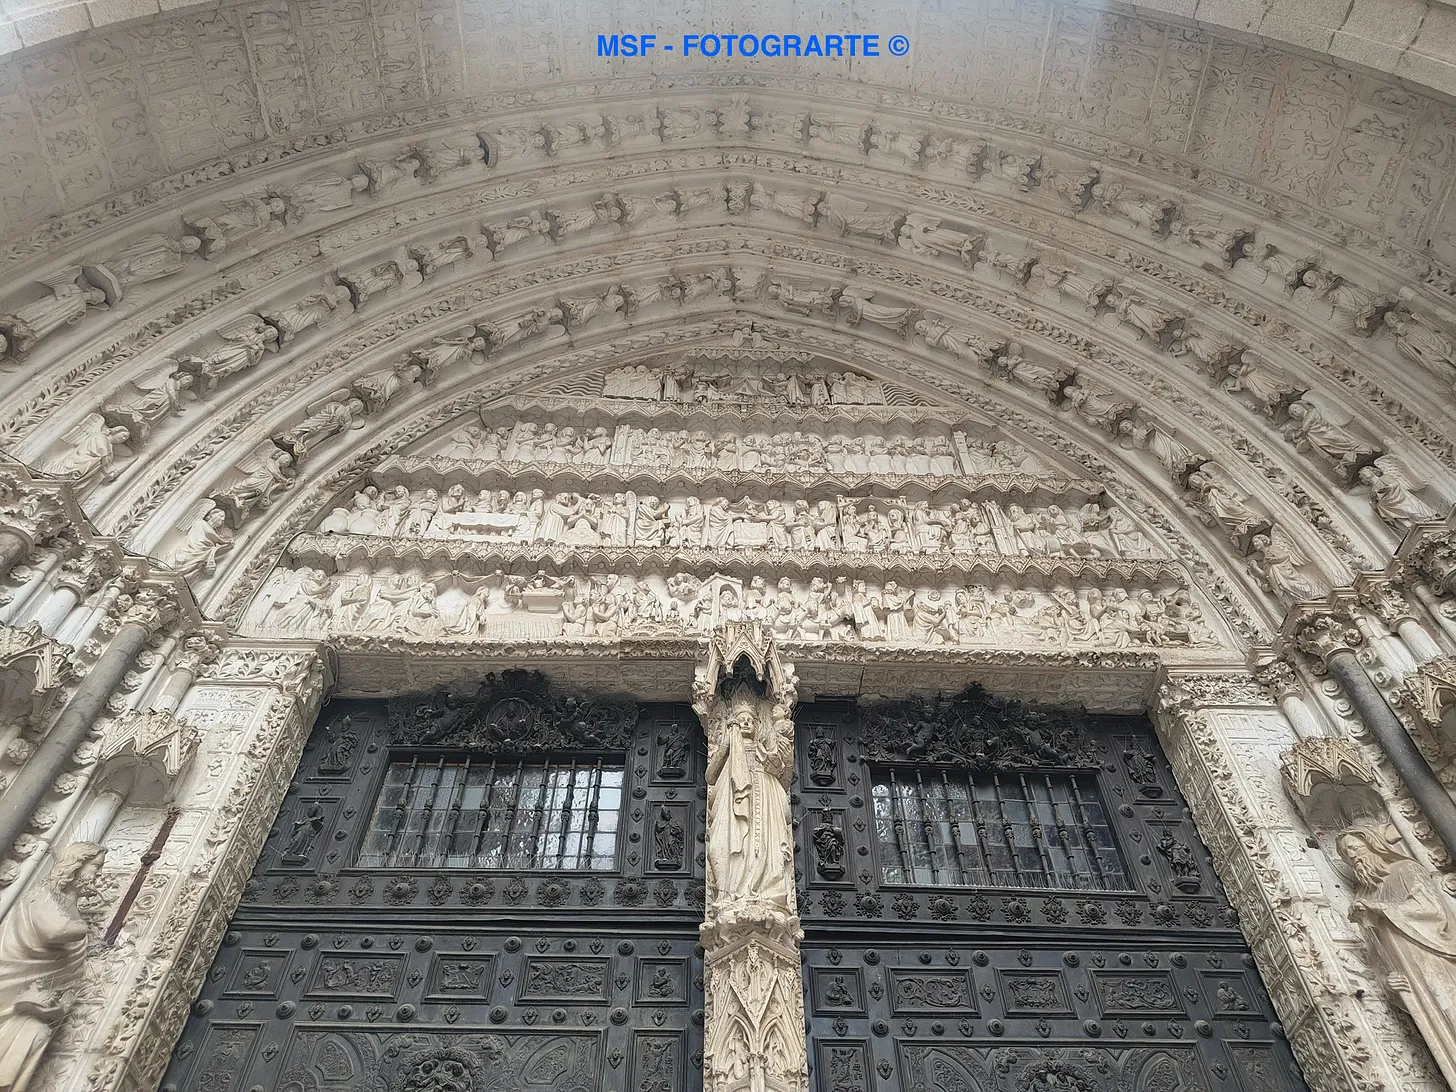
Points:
x=1032 y=829
x=455 y=813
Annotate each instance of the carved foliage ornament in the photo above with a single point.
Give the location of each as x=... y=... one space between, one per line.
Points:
x=515 y=712
x=977 y=731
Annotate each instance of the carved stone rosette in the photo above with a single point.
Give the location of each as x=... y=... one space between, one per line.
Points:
x=754 y=1034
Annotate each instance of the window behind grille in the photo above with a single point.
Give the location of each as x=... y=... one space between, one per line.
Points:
x=1008 y=829
x=457 y=813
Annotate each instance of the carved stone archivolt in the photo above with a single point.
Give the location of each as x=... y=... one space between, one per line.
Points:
x=1207 y=360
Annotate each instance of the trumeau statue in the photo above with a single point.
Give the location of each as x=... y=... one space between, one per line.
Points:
x=1411 y=921
x=744 y=695
x=43 y=941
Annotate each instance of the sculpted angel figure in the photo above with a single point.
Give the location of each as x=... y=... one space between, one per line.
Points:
x=1152 y=321
x=1422 y=342
x=600 y=213
x=207 y=537
x=837 y=130
x=1231 y=244
x=1209 y=347
x=1411 y=921
x=161 y=396
x=378 y=388
x=1310 y=429
x=1392 y=495
x=327 y=420
x=1158 y=442
x=851 y=217
x=507 y=233
x=1139 y=209
x=327 y=192
x=796 y=206
x=1225 y=504
x=152 y=257
x=315 y=309
x=247 y=339
x=1268 y=386
x=70 y=297
x=803 y=301
x=857 y=302
x=1342 y=296
x=1097 y=405
x=640 y=209
x=266 y=472
x=921 y=234
x=580 y=310
x=446 y=253
x=43 y=941
x=447 y=352
x=517 y=328
x=1091 y=291
x=89 y=450
x=1275 y=558
x=234 y=223
x=384 y=174
x=750 y=844
x=1047 y=378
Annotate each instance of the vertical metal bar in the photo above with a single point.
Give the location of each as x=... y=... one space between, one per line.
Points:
x=401 y=814
x=486 y=799
x=538 y=820
x=429 y=810
x=1087 y=833
x=897 y=806
x=1077 y=877
x=953 y=820
x=925 y=824
x=980 y=822
x=594 y=800
x=566 y=816
x=1006 y=828
x=457 y=802
x=1033 y=822
x=515 y=802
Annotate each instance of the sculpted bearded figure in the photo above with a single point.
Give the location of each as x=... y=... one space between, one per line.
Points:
x=43 y=942
x=1411 y=921
x=750 y=836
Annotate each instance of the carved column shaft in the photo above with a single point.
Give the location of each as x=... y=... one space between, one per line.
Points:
x=69 y=731
x=1397 y=744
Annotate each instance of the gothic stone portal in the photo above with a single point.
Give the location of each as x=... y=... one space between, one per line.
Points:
x=501 y=891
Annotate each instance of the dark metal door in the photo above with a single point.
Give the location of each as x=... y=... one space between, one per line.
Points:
x=997 y=899
x=492 y=892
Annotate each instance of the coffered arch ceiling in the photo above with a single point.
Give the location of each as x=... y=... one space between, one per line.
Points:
x=1113 y=249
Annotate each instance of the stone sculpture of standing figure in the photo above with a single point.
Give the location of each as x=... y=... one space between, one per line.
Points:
x=43 y=943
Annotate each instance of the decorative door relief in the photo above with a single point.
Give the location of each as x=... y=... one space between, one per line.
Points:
x=1005 y=899
x=496 y=889
x=754 y=1036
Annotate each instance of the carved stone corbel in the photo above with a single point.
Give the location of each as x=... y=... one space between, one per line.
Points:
x=1330 y=782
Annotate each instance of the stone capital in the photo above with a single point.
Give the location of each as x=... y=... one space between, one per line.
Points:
x=1430 y=692
x=1383 y=600
x=1322 y=635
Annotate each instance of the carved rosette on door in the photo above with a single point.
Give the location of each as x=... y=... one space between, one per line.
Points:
x=470 y=891
x=1002 y=899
